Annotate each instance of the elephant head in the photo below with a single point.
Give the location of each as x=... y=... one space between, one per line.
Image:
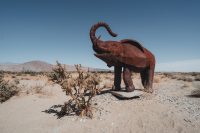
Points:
x=116 y=53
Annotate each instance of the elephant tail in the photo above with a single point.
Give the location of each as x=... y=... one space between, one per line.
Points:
x=95 y=27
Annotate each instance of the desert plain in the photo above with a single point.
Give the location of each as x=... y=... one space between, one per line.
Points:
x=174 y=107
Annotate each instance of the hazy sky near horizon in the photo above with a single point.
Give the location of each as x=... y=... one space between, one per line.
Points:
x=51 y=30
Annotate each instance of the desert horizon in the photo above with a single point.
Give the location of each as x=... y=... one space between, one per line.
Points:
x=37 y=64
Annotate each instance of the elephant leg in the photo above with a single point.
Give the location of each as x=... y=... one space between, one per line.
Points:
x=117 y=78
x=147 y=79
x=151 y=76
x=144 y=77
x=127 y=79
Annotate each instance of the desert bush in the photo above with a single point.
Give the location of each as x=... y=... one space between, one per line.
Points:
x=81 y=89
x=7 y=89
x=13 y=76
x=168 y=75
x=16 y=81
x=179 y=76
x=19 y=74
x=197 y=77
x=196 y=92
x=156 y=80
x=31 y=73
x=28 y=72
x=1 y=77
x=184 y=78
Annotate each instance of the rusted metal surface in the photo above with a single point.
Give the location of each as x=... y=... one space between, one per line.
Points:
x=127 y=54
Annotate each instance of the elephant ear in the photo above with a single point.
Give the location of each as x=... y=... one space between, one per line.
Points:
x=133 y=42
x=132 y=54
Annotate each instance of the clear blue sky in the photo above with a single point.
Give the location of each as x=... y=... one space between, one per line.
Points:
x=51 y=30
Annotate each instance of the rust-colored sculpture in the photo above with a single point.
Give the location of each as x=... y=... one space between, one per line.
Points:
x=129 y=54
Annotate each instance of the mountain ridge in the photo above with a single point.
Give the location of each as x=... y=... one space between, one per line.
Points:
x=39 y=66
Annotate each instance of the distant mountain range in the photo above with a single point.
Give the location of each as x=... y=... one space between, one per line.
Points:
x=39 y=66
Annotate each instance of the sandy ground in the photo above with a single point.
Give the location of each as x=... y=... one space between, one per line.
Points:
x=168 y=109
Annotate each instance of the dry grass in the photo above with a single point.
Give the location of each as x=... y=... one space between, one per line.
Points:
x=81 y=88
x=156 y=79
x=107 y=76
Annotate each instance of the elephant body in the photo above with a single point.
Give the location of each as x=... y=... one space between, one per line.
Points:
x=127 y=54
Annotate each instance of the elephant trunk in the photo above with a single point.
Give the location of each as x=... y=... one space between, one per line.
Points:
x=93 y=37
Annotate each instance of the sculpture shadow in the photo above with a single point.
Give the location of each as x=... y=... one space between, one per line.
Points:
x=193 y=96
x=55 y=110
x=126 y=98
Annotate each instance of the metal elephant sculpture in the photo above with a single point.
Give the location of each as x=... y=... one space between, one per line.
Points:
x=127 y=54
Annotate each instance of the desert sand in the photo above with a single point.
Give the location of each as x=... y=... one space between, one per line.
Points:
x=169 y=109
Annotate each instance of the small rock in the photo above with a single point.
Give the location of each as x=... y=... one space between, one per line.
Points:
x=127 y=95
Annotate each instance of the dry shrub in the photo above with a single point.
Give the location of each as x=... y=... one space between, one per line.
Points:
x=81 y=89
x=197 y=78
x=184 y=78
x=156 y=80
x=7 y=89
x=37 y=89
x=13 y=76
x=194 y=73
x=196 y=92
x=168 y=75
x=179 y=76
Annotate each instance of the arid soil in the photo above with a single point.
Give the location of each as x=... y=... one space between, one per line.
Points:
x=171 y=108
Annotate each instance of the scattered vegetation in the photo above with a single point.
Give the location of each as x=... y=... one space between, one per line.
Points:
x=156 y=79
x=37 y=89
x=180 y=76
x=81 y=89
x=196 y=92
x=7 y=89
x=184 y=78
x=197 y=78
